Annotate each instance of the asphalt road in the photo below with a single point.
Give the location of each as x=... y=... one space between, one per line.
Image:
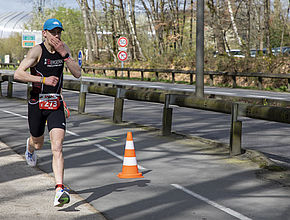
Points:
x=183 y=179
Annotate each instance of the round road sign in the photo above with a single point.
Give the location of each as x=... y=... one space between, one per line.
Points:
x=80 y=58
x=122 y=55
x=123 y=42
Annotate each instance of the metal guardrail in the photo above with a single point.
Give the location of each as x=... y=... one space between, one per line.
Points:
x=233 y=75
x=269 y=113
x=191 y=74
x=8 y=65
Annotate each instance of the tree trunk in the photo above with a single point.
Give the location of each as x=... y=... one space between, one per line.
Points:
x=267 y=25
x=191 y=26
x=82 y=4
x=249 y=4
x=137 y=47
x=285 y=22
x=234 y=23
x=219 y=33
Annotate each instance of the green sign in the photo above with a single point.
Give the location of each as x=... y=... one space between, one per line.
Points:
x=28 y=37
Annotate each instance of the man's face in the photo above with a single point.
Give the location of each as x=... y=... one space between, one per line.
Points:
x=56 y=32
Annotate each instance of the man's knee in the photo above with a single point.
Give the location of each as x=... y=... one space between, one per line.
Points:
x=37 y=143
x=56 y=146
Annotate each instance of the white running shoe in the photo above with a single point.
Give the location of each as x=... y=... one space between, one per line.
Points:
x=31 y=158
x=61 y=198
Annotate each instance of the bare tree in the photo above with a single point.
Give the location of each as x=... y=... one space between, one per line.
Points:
x=267 y=24
x=136 y=46
x=234 y=23
x=84 y=8
x=217 y=24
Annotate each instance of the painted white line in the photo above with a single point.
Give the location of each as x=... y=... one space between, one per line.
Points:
x=12 y=113
x=109 y=151
x=212 y=203
x=72 y=133
x=116 y=155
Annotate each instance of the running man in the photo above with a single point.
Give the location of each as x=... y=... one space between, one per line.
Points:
x=46 y=62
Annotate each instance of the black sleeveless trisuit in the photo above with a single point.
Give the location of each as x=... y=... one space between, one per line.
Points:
x=48 y=65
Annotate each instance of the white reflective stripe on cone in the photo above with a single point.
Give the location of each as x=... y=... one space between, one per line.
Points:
x=129 y=161
x=130 y=145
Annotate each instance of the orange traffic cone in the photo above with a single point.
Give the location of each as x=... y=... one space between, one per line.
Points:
x=130 y=168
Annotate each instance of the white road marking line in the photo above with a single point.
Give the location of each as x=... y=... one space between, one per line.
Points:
x=109 y=151
x=12 y=113
x=210 y=202
x=72 y=133
x=116 y=155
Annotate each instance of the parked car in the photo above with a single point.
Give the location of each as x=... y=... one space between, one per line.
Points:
x=235 y=53
x=275 y=51
x=232 y=53
x=254 y=52
x=285 y=51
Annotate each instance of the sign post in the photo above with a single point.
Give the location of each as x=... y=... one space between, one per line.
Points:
x=122 y=54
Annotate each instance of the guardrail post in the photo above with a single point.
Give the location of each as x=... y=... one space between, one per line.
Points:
x=167 y=117
x=82 y=97
x=260 y=82
x=142 y=76
x=116 y=74
x=118 y=106
x=236 y=132
x=10 y=86
x=128 y=74
x=211 y=79
x=29 y=88
x=288 y=85
x=104 y=73
x=157 y=76
x=234 y=78
x=191 y=78
x=173 y=77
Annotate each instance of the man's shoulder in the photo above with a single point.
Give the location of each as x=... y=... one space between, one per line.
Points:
x=36 y=48
x=35 y=51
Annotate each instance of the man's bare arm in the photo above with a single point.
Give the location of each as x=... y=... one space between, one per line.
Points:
x=63 y=49
x=30 y=60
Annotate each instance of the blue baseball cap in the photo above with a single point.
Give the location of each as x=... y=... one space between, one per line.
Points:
x=51 y=24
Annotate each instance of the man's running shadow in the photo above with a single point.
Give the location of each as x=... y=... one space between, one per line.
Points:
x=99 y=192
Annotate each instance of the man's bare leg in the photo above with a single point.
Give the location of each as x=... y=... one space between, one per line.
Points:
x=56 y=138
x=35 y=143
x=32 y=144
